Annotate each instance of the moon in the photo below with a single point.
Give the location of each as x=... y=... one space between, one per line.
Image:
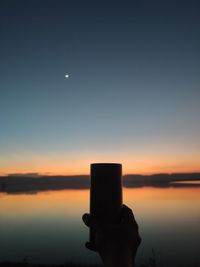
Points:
x=66 y=75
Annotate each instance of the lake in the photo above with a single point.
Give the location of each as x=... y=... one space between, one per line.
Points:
x=46 y=227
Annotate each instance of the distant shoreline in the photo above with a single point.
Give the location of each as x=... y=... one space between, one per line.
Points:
x=20 y=184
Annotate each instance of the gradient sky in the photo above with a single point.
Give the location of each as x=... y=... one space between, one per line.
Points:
x=133 y=94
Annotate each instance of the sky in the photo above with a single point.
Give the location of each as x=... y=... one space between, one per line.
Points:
x=132 y=95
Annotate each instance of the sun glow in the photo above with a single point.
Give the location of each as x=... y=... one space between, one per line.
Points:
x=78 y=167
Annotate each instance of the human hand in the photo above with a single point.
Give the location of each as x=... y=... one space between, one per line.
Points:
x=116 y=243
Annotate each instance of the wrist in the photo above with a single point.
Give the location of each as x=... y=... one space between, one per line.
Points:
x=118 y=262
x=119 y=259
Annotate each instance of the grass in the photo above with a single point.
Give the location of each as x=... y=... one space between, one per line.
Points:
x=25 y=264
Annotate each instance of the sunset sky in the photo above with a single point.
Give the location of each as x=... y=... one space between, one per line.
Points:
x=132 y=95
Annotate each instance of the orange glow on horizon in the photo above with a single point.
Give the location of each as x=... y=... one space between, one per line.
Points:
x=86 y=170
x=80 y=165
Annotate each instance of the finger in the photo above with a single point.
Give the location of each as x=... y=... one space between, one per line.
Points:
x=127 y=213
x=89 y=245
x=128 y=216
x=86 y=219
x=139 y=240
x=91 y=222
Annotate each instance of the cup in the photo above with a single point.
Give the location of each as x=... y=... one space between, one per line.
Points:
x=105 y=193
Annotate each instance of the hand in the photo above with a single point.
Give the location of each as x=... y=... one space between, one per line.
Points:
x=116 y=243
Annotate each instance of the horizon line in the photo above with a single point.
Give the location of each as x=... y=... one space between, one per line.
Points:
x=37 y=174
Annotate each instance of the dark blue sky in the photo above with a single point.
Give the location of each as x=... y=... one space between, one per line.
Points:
x=133 y=94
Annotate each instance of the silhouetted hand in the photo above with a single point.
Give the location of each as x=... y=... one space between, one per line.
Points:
x=116 y=243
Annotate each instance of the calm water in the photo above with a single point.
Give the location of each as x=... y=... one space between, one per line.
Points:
x=46 y=227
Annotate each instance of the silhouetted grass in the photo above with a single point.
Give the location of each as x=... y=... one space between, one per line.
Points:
x=24 y=264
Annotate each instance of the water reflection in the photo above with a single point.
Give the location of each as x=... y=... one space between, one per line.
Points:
x=169 y=220
x=46 y=227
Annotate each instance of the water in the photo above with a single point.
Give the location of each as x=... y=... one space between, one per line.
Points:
x=46 y=227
